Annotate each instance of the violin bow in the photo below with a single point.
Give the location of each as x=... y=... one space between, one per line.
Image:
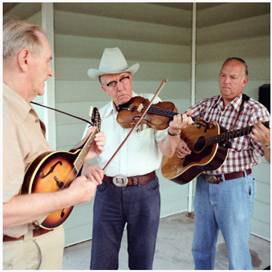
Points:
x=162 y=83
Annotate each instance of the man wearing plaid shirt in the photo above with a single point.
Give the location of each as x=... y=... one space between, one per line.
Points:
x=224 y=197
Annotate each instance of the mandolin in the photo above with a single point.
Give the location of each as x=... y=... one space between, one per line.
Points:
x=54 y=171
x=209 y=144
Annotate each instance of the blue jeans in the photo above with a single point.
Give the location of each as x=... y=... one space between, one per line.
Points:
x=136 y=206
x=227 y=207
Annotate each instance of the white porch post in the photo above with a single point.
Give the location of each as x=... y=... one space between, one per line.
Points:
x=191 y=184
x=47 y=11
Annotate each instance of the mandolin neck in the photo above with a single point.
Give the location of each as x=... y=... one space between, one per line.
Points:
x=228 y=135
x=78 y=163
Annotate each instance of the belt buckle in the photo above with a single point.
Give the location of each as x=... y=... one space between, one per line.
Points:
x=120 y=181
x=212 y=179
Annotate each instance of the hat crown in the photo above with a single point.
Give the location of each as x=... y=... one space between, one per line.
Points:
x=112 y=60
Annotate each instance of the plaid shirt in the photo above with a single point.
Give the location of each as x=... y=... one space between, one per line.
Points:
x=244 y=152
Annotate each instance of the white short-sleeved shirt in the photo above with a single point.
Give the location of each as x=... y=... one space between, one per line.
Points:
x=139 y=155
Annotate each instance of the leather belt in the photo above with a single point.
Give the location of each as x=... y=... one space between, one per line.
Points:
x=123 y=181
x=215 y=179
x=36 y=232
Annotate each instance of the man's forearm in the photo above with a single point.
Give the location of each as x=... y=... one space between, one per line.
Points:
x=22 y=209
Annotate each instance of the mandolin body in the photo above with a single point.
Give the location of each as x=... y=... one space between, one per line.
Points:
x=203 y=157
x=51 y=172
x=54 y=171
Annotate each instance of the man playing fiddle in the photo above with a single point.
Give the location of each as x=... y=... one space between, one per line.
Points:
x=224 y=197
x=129 y=195
x=27 y=65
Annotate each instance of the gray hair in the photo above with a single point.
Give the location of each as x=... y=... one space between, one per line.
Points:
x=18 y=34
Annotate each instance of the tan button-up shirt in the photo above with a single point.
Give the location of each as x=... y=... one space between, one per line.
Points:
x=23 y=140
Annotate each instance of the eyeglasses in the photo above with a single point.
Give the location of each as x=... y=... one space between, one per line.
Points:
x=113 y=84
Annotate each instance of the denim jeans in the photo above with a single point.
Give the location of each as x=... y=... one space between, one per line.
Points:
x=227 y=207
x=136 y=206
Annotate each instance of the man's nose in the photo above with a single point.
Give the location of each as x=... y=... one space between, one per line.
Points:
x=227 y=80
x=50 y=71
x=119 y=85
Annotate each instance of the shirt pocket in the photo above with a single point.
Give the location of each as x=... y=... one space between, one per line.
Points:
x=240 y=143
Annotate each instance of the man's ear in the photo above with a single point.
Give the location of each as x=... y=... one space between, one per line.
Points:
x=23 y=59
x=245 y=81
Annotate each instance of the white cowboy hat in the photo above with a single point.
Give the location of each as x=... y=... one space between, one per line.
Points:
x=112 y=62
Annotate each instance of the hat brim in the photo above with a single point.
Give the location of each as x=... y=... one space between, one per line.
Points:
x=95 y=73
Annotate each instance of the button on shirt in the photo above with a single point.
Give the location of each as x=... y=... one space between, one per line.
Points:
x=244 y=151
x=23 y=140
x=138 y=156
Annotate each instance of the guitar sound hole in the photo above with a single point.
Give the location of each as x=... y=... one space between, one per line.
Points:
x=200 y=144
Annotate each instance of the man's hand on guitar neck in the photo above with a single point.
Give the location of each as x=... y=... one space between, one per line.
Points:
x=261 y=134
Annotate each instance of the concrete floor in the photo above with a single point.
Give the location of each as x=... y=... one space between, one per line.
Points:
x=173 y=249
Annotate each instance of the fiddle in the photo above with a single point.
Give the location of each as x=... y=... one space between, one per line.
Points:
x=157 y=117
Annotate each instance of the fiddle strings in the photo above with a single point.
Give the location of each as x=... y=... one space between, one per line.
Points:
x=156 y=110
x=162 y=112
x=163 y=82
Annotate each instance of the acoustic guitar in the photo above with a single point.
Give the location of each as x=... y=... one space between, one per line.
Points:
x=54 y=171
x=209 y=144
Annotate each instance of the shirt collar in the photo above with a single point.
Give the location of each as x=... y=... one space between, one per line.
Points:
x=19 y=105
x=235 y=103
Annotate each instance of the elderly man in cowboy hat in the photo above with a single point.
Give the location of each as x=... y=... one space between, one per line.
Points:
x=129 y=195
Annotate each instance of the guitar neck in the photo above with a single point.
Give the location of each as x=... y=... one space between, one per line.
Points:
x=228 y=135
x=84 y=151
